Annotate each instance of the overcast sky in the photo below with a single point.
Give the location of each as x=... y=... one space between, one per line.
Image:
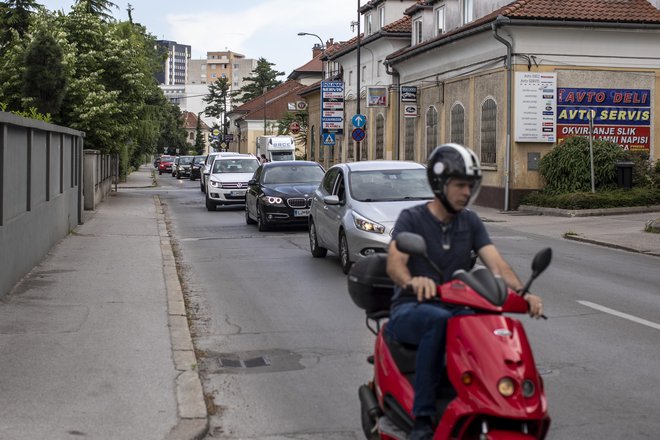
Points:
x=254 y=28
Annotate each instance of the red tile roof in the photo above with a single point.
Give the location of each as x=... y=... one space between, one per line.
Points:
x=190 y=121
x=275 y=101
x=565 y=11
x=401 y=26
x=629 y=11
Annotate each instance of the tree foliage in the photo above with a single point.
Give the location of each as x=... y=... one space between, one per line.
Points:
x=263 y=76
x=567 y=168
x=217 y=101
x=103 y=73
x=44 y=77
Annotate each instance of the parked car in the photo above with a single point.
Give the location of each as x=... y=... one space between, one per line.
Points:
x=195 y=167
x=206 y=169
x=280 y=193
x=228 y=179
x=165 y=165
x=182 y=166
x=356 y=205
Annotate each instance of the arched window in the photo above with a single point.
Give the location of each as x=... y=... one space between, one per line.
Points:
x=489 y=131
x=409 y=140
x=380 y=136
x=431 y=130
x=457 y=134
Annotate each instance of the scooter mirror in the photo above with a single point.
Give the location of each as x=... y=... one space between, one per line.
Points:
x=410 y=243
x=541 y=261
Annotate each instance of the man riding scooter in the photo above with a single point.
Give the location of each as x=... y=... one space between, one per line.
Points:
x=451 y=231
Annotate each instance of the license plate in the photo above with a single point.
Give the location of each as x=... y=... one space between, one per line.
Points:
x=238 y=193
x=301 y=212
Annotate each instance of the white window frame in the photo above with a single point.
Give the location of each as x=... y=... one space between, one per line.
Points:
x=417 y=31
x=440 y=21
x=368 y=25
x=468 y=11
x=381 y=16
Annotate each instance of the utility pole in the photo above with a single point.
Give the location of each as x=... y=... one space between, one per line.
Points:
x=358 y=153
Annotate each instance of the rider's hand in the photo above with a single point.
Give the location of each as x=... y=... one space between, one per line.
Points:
x=423 y=287
x=535 y=305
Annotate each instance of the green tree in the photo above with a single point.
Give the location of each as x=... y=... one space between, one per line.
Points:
x=15 y=15
x=263 y=76
x=199 y=136
x=44 y=78
x=284 y=124
x=99 y=8
x=217 y=102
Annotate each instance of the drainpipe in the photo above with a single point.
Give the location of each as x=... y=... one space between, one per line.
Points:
x=509 y=78
x=397 y=128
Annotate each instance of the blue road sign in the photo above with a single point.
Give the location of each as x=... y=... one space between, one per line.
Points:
x=328 y=139
x=358 y=134
x=358 y=120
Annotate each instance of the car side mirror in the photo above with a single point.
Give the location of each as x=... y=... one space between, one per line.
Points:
x=252 y=182
x=331 y=200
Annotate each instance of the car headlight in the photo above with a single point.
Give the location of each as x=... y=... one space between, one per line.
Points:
x=367 y=225
x=272 y=200
x=215 y=184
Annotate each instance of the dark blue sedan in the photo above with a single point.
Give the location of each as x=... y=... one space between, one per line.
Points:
x=280 y=193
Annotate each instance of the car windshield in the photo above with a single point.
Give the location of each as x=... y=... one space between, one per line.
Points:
x=293 y=174
x=185 y=160
x=199 y=159
x=166 y=159
x=235 y=166
x=390 y=185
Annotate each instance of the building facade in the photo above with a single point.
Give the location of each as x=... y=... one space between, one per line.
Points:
x=175 y=69
x=508 y=79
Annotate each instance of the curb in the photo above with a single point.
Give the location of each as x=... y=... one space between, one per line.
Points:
x=588 y=212
x=609 y=245
x=193 y=421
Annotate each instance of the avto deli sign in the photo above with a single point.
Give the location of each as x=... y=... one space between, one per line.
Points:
x=622 y=116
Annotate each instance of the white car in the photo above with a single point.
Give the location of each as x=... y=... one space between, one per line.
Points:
x=205 y=169
x=228 y=180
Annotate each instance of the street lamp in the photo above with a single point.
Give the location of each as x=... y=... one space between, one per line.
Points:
x=300 y=34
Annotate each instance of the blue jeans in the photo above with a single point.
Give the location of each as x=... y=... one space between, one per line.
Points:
x=424 y=325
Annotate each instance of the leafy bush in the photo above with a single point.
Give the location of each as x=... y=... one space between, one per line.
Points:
x=588 y=200
x=567 y=169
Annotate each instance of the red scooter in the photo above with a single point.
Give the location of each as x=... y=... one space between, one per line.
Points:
x=490 y=388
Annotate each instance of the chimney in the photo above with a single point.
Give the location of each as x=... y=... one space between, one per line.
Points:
x=316 y=50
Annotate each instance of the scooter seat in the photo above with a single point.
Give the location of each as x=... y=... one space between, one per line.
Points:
x=404 y=355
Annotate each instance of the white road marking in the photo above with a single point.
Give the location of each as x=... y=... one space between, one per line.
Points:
x=620 y=314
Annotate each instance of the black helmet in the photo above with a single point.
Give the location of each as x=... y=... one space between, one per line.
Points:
x=452 y=160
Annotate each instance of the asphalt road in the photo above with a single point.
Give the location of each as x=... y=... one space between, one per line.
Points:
x=282 y=348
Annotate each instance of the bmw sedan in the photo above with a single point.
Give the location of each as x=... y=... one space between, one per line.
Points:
x=356 y=205
x=280 y=193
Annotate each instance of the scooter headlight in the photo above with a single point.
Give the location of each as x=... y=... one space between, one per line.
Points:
x=506 y=387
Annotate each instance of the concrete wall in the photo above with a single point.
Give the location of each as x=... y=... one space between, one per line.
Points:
x=100 y=171
x=41 y=197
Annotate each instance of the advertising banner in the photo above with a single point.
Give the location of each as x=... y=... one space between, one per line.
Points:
x=376 y=96
x=622 y=116
x=536 y=101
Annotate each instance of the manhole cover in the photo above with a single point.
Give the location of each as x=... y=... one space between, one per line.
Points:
x=251 y=362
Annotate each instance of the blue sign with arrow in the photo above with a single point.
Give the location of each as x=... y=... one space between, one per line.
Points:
x=358 y=120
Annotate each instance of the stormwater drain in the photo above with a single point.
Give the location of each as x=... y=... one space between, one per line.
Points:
x=251 y=362
x=261 y=361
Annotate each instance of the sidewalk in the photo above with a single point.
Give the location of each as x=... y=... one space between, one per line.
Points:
x=94 y=341
x=618 y=230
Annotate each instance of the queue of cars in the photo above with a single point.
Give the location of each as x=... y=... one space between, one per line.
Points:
x=350 y=209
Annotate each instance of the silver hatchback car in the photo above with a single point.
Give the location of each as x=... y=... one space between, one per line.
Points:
x=356 y=205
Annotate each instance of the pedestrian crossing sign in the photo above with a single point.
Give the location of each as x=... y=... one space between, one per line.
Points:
x=328 y=138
